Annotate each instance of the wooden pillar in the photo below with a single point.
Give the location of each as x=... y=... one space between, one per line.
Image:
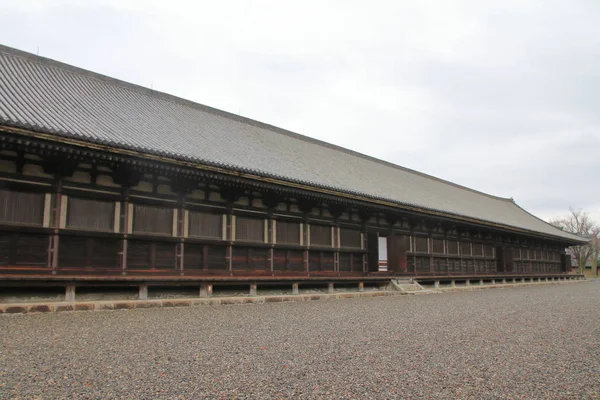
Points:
x=230 y=234
x=272 y=232
x=430 y=252
x=306 y=244
x=336 y=246
x=204 y=257
x=153 y=255
x=306 y=261
x=127 y=177
x=56 y=221
x=365 y=246
x=179 y=255
x=60 y=168
x=126 y=228
x=181 y=224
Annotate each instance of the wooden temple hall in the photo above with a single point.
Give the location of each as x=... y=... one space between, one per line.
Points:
x=103 y=182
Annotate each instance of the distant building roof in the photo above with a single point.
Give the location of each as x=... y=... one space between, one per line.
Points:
x=43 y=95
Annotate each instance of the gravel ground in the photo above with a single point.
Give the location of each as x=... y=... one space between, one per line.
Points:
x=527 y=342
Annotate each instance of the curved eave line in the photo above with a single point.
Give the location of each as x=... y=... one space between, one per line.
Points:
x=62 y=138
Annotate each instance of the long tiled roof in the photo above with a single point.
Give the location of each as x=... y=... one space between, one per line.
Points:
x=43 y=95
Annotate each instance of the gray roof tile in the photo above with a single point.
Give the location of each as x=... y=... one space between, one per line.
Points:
x=49 y=96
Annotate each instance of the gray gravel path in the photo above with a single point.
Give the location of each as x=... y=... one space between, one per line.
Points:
x=529 y=342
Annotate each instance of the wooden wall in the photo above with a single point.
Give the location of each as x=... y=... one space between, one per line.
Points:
x=84 y=222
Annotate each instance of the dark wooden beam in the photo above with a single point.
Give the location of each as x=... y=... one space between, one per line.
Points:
x=126 y=175
x=59 y=166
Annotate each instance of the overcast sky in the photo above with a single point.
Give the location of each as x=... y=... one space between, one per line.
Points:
x=502 y=97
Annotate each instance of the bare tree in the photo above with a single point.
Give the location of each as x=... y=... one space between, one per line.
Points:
x=581 y=223
x=595 y=250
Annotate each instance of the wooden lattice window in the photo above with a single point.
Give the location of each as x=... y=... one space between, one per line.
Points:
x=23 y=249
x=320 y=235
x=152 y=219
x=21 y=207
x=345 y=262
x=321 y=261
x=248 y=258
x=422 y=264
x=79 y=252
x=469 y=266
x=350 y=238
x=138 y=254
x=295 y=260
x=150 y=255
x=205 y=225
x=488 y=251
x=350 y=262
x=452 y=247
x=89 y=214
x=465 y=248
x=439 y=265
x=288 y=232
x=454 y=265
x=477 y=249
x=194 y=257
x=288 y=260
x=438 y=246
x=421 y=245
x=215 y=258
x=250 y=229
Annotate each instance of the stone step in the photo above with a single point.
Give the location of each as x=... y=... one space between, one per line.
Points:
x=411 y=287
x=406 y=286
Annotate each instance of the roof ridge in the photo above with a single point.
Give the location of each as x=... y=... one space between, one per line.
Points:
x=225 y=114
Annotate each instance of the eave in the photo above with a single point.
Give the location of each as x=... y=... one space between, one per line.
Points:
x=425 y=212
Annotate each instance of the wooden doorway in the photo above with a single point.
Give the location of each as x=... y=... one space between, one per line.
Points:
x=397 y=246
x=373 y=255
